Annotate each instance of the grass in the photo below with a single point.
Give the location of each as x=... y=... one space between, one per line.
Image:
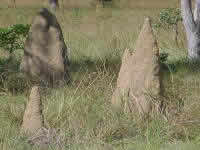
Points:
x=91 y=3
x=82 y=110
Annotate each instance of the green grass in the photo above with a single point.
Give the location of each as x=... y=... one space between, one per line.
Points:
x=82 y=110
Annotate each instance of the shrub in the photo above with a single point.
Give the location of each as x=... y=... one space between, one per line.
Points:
x=169 y=19
x=12 y=39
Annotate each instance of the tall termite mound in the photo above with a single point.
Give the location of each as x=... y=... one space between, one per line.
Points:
x=45 y=54
x=139 y=77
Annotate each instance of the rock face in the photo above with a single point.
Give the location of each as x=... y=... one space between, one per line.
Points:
x=45 y=53
x=33 y=119
x=139 y=77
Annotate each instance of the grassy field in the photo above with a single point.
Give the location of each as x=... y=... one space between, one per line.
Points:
x=82 y=110
x=90 y=3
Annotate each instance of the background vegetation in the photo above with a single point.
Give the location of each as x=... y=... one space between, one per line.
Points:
x=90 y=3
x=82 y=111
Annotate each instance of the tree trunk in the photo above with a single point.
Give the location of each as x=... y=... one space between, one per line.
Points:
x=54 y=4
x=100 y=4
x=12 y=4
x=175 y=28
x=192 y=26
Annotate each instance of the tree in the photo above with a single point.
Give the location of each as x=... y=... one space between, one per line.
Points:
x=53 y=4
x=12 y=4
x=100 y=4
x=192 y=27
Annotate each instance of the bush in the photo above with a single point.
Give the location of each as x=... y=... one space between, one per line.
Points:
x=11 y=39
x=168 y=18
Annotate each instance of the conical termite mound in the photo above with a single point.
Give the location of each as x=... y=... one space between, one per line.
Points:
x=33 y=118
x=139 y=78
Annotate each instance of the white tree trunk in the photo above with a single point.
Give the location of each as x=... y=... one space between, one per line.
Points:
x=192 y=27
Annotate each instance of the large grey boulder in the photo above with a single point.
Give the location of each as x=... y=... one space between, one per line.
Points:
x=45 y=54
x=139 y=77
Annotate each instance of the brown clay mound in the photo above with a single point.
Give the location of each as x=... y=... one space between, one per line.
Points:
x=33 y=119
x=139 y=75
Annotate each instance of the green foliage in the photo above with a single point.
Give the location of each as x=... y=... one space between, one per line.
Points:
x=163 y=57
x=164 y=61
x=168 y=17
x=11 y=38
x=3 y=62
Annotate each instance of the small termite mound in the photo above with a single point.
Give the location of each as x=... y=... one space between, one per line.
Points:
x=33 y=118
